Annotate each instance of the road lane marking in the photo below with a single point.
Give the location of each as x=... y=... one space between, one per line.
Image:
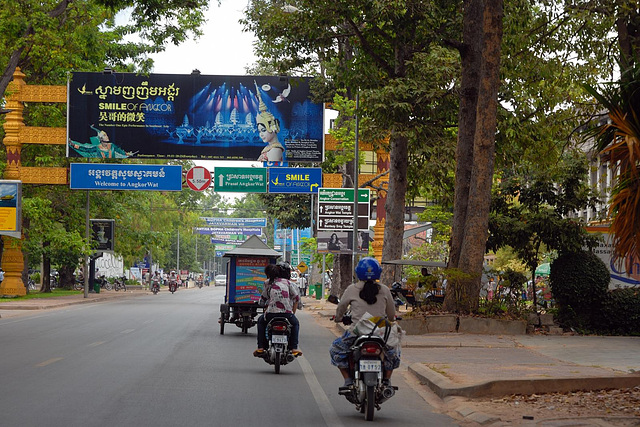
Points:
x=49 y=362
x=331 y=419
x=127 y=331
x=95 y=344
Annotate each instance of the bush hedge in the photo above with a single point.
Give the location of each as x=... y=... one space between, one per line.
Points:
x=580 y=286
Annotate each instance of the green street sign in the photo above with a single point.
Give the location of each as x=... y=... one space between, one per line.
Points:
x=240 y=180
x=344 y=195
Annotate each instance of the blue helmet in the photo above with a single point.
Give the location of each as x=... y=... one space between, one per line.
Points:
x=368 y=268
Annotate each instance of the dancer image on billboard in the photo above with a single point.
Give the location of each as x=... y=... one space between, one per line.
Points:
x=99 y=146
x=268 y=128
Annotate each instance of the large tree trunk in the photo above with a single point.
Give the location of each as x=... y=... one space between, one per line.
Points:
x=471 y=55
x=394 y=206
x=462 y=296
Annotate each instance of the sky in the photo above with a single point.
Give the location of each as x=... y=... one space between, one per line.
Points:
x=223 y=49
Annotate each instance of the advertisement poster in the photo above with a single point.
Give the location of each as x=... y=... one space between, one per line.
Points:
x=249 y=279
x=341 y=242
x=10 y=208
x=623 y=274
x=172 y=116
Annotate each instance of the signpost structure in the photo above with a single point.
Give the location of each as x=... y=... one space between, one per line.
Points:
x=336 y=209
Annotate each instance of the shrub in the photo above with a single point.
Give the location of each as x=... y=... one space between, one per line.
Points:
x=621 y=312
x=579 y=284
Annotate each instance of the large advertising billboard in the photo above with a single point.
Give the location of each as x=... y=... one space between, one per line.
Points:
x=168 y=116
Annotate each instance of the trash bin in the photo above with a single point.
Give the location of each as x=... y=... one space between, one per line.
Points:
x=96 y=287
x=318 y=290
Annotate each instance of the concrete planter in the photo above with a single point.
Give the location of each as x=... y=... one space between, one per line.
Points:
x=481 y=325
x=447 y=323
x=429 y=324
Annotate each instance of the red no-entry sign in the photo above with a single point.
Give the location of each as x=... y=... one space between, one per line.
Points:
x=198 y=178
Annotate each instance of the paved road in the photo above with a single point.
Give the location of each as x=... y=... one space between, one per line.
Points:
x=158 y=360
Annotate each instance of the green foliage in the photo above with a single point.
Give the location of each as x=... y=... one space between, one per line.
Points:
x=292 y=210
x=579 y=283
x=531 y=208
x=621 y=312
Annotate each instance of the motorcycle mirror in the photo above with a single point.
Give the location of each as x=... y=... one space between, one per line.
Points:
x=333 y=299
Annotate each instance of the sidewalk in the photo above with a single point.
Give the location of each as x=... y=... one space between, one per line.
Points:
x=13 y=308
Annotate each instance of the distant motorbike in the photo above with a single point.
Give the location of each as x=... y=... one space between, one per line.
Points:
x=173 y=286
x=155 y=286
x=278 y=336
x=199 y=284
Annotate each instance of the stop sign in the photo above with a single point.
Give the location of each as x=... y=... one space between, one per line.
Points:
x=198 y=178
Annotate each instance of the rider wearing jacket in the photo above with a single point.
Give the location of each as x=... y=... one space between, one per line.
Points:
x=281 y=299
x=367 y=296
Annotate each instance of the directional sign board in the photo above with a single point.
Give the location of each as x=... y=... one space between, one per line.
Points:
x=240 y=180
x=295 y=180
x=109 y=176
x=335 y=209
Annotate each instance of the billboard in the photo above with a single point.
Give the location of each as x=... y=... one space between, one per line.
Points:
x=169 y=116
x=11 y=208
x=623 y=274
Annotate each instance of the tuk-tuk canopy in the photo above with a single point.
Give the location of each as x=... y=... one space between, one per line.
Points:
x=253 y=246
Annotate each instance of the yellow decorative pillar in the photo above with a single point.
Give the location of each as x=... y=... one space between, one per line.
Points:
x=12 y=258
x=381 y=214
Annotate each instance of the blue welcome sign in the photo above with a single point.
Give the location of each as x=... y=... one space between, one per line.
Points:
x=99 y=176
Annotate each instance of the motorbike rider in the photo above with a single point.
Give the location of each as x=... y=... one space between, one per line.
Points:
x=280 y=297
x=365 y=296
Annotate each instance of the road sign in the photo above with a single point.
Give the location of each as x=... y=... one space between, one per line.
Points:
x=302 y=267
x=240 y=180
x=198 y=178
x=295 y=180
x=335 y=209
x=107 y=176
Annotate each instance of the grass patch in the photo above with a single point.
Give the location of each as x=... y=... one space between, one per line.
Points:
x=37 y=294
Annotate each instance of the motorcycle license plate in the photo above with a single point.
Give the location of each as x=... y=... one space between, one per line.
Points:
x=279 y=339
x=370 y=366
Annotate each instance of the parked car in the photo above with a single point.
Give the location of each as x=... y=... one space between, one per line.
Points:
x=221 y=280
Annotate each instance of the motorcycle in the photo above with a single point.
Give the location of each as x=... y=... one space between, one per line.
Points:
x=119 y=283
x=278 y=337
x=173 y=286
x=366 y=367
x=155 y=287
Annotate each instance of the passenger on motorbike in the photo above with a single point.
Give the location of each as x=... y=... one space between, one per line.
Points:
x=363 y=297
x=280 y=297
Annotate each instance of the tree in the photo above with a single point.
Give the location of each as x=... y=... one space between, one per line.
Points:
x=56 y=36
x=533 y=211
x=368 y=47
x=476 y=147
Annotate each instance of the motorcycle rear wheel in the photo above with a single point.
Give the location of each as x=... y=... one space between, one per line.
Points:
x=370 y=402
x=277 y=362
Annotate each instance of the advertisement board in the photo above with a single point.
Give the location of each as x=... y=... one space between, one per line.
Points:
x=11 y=208
x=623 y=274
x=171 y=116
x=249 y=280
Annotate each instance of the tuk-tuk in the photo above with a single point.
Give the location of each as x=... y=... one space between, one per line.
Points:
x=245 y=282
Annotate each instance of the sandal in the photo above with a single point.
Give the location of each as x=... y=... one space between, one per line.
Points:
x=258 y=353
x=296 y=353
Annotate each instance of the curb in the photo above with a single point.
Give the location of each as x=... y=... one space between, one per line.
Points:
x=443 y=387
